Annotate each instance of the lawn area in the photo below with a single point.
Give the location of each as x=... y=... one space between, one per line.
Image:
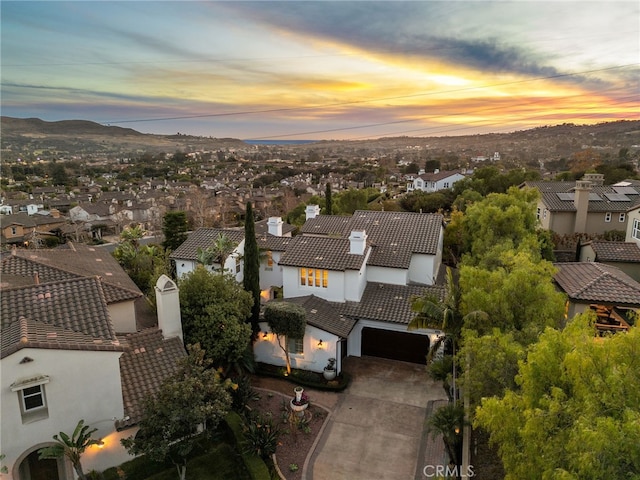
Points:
x=217 y=461
x=220 y=463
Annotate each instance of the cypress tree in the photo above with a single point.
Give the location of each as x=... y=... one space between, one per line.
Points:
x=327 y=197
x=251 y=280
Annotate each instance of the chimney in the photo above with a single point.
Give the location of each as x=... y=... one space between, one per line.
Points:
x=312 y=211
x=36 y=278
x=275 y=226
x=581 y=201
x=168 y=304
x=357 y=242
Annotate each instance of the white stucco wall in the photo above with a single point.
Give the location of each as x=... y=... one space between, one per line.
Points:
x=354 y=343
x=631 y=216
x=422 y=269
x=354 y=283
x=123 y=316
x=314 y=357
x=392 y=276
x=184 y=266
x=271 y=276
x=335 y=291
x=82 y=385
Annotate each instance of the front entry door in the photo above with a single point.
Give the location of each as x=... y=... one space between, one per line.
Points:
x=32 y=468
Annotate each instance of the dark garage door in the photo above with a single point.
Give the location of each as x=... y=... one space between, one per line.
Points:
x=403 y=346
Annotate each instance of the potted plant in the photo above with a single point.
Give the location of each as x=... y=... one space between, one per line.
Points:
x=301 y=400
x=330 y=370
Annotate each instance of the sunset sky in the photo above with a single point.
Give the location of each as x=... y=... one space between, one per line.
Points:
x=321 y=70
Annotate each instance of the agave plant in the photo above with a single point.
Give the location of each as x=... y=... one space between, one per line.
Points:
x=71 y=447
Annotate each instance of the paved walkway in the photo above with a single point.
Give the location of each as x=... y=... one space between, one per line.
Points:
x=376 y=429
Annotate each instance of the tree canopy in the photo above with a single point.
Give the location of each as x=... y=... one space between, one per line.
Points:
x=286 y=320
x=519 y=297
x=576 y=411
x=214 y=309
x=499 y=223
x=194 y=397
x=251 y=274
x=174 y=228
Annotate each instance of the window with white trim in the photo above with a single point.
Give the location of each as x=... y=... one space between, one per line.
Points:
x=32 y=399
x=14 y=230
x=622 y=217
x=607 y=217
x=314 y=277
x=295 y=346
x=238 y=266
x=635 y=231
x=538 y=213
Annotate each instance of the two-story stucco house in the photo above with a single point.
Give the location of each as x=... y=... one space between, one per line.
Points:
x=356 y=276
x=70 y=350
x=585 y=206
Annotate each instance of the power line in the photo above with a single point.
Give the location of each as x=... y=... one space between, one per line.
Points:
x=354 y=102
x=468 y=112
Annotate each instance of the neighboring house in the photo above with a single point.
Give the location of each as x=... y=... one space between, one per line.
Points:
x=361 y=272
x=607 y=290
x=585 y=206
x=20 y=228
x=70 y=351
x=623 y=255
x=272 y=235
x=436 y=181
x=186 y=255
x=633 y=225
x=94 y=216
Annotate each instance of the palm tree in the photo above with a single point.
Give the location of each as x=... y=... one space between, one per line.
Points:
x=71 y=447
x=218 y=251
x=446 y=315
x=448 y=422
x=132 y=235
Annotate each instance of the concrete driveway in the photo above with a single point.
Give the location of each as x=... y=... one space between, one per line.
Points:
x=376 y=430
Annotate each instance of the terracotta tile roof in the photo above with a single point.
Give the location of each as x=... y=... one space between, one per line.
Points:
x=324 y=315
x=596 y=282
x=71 y=262
x=276 y=244
x=203 y=238
x=434 y=177
x=68 y=314
x=321 y=252
x=388 y=303
x=394 y=236
x=148 y=360
x=558 y=196
x=627 y=252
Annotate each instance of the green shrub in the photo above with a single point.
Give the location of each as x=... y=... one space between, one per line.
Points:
x=261 y=437
x=256 y=467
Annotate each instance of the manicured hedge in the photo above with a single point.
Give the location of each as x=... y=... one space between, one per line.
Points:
x=305 y=378
x=255 y=465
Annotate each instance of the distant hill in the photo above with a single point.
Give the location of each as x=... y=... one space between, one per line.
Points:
x=31 y=126
x=68 y=138
x=65 y=138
